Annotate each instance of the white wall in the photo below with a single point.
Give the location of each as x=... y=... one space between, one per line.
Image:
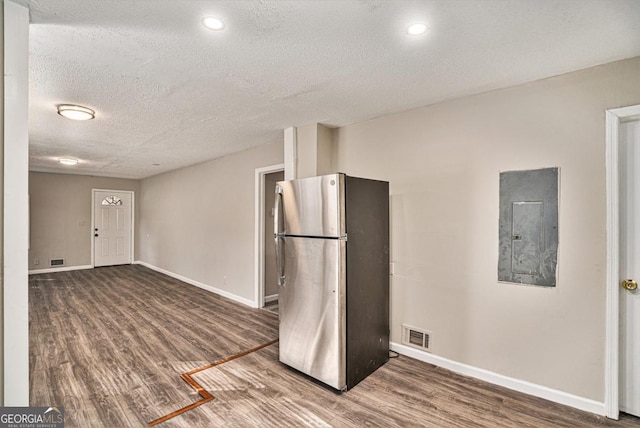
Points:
x=198 y=222
x=16 y=209
x=443 y=164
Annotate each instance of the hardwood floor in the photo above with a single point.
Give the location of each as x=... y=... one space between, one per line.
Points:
x=110 y=344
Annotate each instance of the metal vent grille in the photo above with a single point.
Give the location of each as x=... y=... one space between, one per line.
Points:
x=56 y=262
x=415 y=337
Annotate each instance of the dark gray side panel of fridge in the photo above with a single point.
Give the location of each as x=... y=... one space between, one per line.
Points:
x=367 y=226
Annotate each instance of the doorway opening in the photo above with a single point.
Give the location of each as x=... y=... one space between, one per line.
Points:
x=619 y=146
x=265 y=272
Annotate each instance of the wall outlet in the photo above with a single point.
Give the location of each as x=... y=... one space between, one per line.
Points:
x=392 y=268
x=36 y=261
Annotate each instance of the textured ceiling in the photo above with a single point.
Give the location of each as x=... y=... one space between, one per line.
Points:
x=167 y=91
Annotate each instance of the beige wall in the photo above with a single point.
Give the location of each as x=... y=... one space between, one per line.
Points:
x=198 y=222
x=443 y=163
x=60 y=215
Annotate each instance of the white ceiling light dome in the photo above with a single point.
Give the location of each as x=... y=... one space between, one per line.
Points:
x=76 y=112
x=417 y=28
x=68 y=161
x=213 y=23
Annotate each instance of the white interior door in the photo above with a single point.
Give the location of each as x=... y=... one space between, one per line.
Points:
x=112 y=227
x=629 y=164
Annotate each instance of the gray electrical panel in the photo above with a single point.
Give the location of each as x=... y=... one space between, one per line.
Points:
x=528 y=227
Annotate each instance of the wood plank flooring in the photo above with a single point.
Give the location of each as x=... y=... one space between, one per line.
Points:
x=109 y=344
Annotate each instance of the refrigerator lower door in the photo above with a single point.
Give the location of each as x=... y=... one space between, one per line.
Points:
x=312 y=309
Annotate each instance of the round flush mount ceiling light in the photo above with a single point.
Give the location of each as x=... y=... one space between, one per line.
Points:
x=75 y=112
x=213 y=23
x=68 y=161
x=417 y=28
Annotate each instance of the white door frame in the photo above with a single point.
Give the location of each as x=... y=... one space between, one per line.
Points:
x=93 y=221
x=259 y=230
x=611 y=375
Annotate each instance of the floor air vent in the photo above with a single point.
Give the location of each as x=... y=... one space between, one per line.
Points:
x=56 y=262
x=415 y=337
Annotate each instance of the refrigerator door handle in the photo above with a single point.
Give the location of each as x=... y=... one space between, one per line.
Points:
x=277 y=211
x=279 y=239
x=280 y=259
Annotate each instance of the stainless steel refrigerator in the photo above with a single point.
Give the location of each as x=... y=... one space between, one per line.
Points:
x=332 y=251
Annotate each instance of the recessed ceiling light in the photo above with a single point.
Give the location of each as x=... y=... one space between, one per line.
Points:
x=417 y=28
x=75 y=112
x=68 y=161
x=213 y=23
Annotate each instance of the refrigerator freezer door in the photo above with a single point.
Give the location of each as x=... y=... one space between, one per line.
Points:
x=312 y=309
x=312 y=206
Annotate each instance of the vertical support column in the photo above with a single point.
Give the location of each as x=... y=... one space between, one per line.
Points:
x=16 y=206
x=2 y=204
x=307 y=150
x=324 y=149
x=314 y=150
x=290 y=156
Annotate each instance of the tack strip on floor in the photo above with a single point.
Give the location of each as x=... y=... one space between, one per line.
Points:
x=204 y=394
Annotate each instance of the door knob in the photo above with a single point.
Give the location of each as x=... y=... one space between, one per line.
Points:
x=95 y=234
x=629 y=284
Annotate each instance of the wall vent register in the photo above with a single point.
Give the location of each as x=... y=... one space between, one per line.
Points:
x=415 y=337
x=56 y=262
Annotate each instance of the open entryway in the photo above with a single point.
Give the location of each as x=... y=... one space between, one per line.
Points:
x=112 y=227
x=623 y=264
x=266 y=280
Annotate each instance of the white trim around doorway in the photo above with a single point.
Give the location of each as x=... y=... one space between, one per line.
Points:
x=611 y=375
x=259 y=230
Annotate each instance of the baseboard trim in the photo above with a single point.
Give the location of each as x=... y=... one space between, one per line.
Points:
x=540 y=391
x=271 y=298
x=198 y=284
x=60 y=269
